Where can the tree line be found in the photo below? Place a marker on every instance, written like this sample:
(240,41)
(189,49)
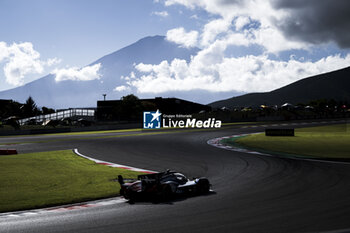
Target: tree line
(14,109)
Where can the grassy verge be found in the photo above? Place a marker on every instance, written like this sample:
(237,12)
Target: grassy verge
(323,142)
(54,178)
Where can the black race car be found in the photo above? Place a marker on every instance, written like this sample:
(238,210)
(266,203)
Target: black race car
(162,185)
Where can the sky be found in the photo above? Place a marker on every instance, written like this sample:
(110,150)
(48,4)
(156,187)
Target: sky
(246,45)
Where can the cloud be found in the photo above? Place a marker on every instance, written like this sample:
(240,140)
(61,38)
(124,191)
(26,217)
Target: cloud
(180,36)
(213,29)
(241,21)
(225,8)
(316,21)
(161,13)
(20,60)
(308,22)
(122,88)
(53,61)
(188,4)
(242,74)
(145,68)
(4,51)
(78,74)
(273,40)
(253,21)
(237,23)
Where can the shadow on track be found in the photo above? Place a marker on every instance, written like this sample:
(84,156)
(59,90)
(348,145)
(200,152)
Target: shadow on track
(167,201)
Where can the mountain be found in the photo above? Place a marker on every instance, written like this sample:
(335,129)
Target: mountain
(47,92)
(333,85)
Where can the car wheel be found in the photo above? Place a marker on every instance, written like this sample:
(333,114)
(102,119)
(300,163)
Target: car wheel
(166,193)
(203,186)
(132,197)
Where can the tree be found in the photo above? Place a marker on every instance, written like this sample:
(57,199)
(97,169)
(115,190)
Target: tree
(9,108)
(131,108)
(130,98)
(46,110)
(30,108)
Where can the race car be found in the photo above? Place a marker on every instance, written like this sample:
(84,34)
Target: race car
(162,186)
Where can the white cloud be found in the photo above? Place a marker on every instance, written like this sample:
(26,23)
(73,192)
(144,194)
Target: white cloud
(233,15)
(180,36)
(20,60)
(161,13)
(243,74)
(234,23)
(241,21)
(186,3)
(213,29)
(144,67)
(257,9)
(53,61)
(122,88)
(4,51)
(76,74)
(274,42)
(302,22)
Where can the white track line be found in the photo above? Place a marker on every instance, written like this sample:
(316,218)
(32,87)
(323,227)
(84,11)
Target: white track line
(77,206)
(109,164)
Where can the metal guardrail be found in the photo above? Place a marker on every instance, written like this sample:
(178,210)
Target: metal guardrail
(69,113)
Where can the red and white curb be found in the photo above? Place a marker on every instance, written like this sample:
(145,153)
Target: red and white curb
(109,164)
(78,206)
(217,143)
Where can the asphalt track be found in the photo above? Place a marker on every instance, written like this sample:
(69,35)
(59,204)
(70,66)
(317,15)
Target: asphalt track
(252,193)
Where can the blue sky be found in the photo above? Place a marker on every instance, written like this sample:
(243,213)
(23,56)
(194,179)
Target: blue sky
(263,37)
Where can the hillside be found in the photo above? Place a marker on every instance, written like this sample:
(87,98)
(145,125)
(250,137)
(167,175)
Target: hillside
(333,85)
(47,92)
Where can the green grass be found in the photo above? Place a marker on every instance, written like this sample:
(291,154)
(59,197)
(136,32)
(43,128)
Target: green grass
(45,179)
(324,142)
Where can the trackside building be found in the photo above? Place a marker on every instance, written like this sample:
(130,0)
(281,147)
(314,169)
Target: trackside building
(117,110)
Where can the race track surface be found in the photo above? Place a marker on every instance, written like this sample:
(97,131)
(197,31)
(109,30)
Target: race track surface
(252,193)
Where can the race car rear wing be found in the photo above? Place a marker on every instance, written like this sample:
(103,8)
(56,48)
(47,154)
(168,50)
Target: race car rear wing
(123,180)
(154,176)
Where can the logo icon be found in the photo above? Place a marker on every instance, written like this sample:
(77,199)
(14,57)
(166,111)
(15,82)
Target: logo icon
(151,120)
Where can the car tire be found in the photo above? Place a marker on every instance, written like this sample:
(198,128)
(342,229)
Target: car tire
(203,186)
(166,193)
